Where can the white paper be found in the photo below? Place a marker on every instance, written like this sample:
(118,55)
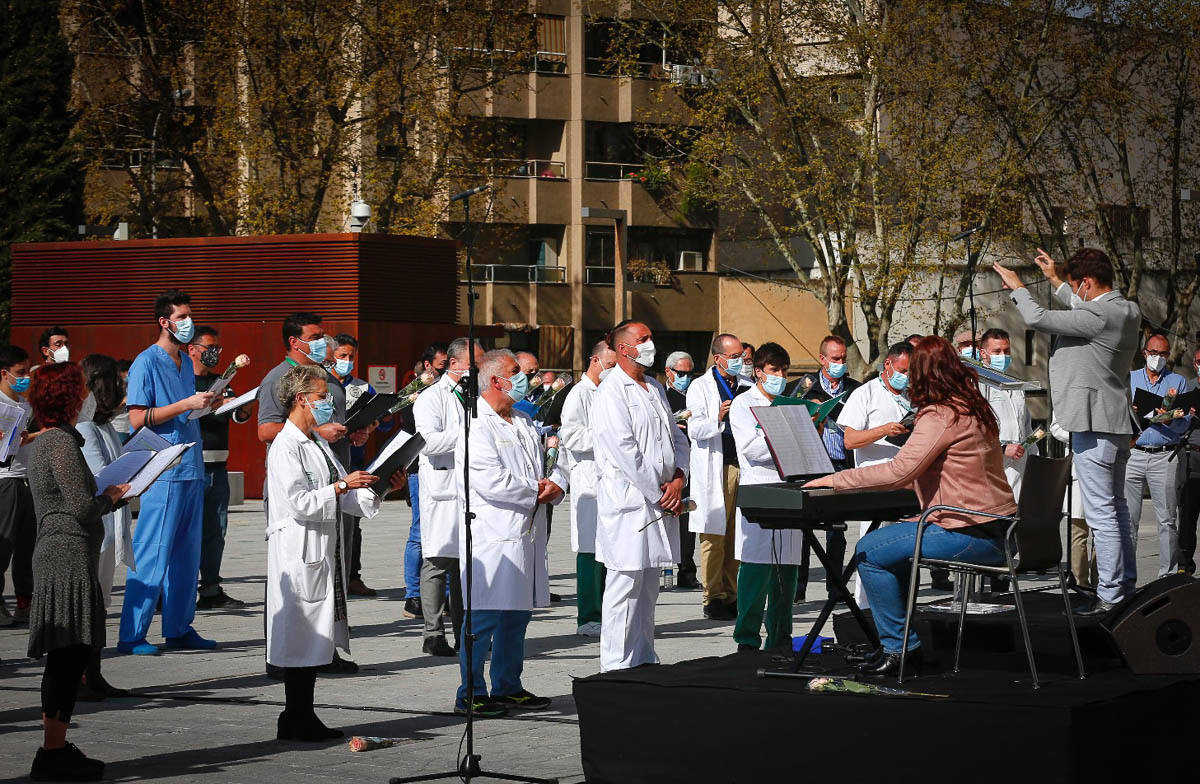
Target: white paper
(156,465)
(217,390)
(12,424)
(122,470)
(387,451)
(794,441)
(145,440)
(237,402)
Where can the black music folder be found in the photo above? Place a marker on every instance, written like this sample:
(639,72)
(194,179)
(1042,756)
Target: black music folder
(794,442)
(369,409)
(909,420)
(400,452)
(1146,403)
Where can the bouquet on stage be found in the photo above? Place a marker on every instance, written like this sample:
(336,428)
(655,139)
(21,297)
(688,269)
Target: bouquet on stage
(409,394)
(1033,438)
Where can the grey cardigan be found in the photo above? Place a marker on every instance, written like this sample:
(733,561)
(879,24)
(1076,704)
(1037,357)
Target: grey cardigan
(1090,358)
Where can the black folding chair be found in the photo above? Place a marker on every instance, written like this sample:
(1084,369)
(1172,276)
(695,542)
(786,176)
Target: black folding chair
(1031,544)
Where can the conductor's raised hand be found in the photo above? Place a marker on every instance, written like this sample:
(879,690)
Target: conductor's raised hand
(331,431)
(1010,279)
(548,492)
(1046,265)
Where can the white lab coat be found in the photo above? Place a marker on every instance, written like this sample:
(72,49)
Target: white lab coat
(438,413)
(637,448)
(303,528)
(509,528)
(575,437)
(754,544)
(707,458)
(1015,426)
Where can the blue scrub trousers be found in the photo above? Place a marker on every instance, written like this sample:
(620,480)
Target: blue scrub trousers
(502,632)
(166,550)
(412,548)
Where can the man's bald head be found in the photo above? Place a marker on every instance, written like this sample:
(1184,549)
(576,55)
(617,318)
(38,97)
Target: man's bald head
(527,362)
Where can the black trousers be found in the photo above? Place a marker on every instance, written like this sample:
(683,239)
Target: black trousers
(687,542)
(298,686)
(1189,511)
(60,680)
(18,532)
(835,547)
(356,552)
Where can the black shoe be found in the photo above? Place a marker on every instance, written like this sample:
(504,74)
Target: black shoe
(308,728)
(864,658)
(274,673)
(744,648)
(1094,609)
(554,597)
(339,666)
(412,608)
(718,611)
(219,601)
(941,581)
(688,582)
(483,709)
(522,700)
(801,594)
(889,664)
(65,764)
(437,646)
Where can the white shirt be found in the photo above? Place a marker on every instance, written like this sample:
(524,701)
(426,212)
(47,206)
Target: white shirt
(871,405)
(18,468)
(638,448)
(755,544)
(575,435)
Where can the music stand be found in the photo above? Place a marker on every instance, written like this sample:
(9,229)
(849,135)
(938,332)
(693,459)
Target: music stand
(469,766)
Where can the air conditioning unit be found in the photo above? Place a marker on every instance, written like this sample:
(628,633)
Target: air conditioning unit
(685,75)
(690,261)
(711,76)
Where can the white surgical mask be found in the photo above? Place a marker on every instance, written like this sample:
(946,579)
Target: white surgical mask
(1155,364)
(773,385)
(184,330)
(60,354)
(734,366)
(645,353)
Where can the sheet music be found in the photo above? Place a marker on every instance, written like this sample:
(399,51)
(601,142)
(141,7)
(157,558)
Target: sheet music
(161,461)
(145,440)
(793,439)
(12,424)
(397,441)
(217,390)
(237,402)
(122,470)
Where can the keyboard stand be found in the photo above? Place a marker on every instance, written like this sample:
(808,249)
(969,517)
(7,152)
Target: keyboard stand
(841,594)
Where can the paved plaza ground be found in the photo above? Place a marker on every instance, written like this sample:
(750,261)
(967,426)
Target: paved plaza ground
(210,716)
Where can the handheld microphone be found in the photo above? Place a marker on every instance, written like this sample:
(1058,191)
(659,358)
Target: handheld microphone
(469,193)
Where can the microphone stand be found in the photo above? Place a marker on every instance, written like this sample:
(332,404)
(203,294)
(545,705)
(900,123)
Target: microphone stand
(469,767)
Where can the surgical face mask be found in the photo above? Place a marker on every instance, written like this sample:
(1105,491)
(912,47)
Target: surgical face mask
(209,356)
(1155,364)
(604,373)
(898,381)
(1000,362)
(520,387)
(734,366)
(343,366)
(1076,297)
(773,385)
(61,354)
(184,330)
(322,410)
(682,382)
(968,352)
(316,350)
(645,353)
(837,369)
(19,385)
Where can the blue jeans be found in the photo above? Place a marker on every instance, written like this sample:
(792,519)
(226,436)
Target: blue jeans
(1100,460)
(503,633)
(412,548)
(884,559)
(214,524)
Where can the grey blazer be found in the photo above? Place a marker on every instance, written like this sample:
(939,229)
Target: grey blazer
(1090,358)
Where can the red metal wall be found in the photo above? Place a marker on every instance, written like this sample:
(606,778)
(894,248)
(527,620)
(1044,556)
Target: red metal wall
(396,294)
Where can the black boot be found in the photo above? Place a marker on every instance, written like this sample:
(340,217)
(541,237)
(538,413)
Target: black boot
(889,664)
(869,657)
(307,728)
(93,687)
(65,764)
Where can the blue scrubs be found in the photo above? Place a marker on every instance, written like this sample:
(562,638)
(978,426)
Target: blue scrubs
(166,539)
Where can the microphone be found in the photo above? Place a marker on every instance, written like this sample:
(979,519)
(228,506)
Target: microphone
(962,235)
(469,193)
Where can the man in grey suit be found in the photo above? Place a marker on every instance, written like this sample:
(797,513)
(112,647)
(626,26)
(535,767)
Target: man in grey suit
(1090,358)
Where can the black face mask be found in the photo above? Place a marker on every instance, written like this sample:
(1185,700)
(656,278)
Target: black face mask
(210,356)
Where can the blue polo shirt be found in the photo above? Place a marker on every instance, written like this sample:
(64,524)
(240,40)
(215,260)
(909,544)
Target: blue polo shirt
(1167,433)
(154,382)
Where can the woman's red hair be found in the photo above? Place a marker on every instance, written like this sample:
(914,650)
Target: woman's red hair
(56,394)
(938,376)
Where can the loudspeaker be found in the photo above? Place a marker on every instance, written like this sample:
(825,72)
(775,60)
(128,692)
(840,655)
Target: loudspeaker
(1157,629)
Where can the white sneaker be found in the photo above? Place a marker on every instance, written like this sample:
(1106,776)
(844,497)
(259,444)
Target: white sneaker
(6,618)
(589,629)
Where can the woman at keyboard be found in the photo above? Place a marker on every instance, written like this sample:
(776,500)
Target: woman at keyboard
(952,458)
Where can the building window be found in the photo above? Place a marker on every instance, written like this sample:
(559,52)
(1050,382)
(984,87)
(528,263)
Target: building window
(1124,219)
(551,55)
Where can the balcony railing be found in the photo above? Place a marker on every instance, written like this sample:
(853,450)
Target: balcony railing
(518,273)
(603,170)
(513,168)
(603,66)
(487,59)
(599,276)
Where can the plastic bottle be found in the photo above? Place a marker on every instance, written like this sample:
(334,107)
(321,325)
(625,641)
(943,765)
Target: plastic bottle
(668,579)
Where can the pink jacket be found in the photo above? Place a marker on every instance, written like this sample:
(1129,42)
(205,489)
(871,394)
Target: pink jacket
(947,462)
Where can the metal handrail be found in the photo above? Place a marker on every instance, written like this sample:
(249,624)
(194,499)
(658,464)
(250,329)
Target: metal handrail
(543,61)
(596,66)
(518,168)
(518,273)
(610,170)
(600,276)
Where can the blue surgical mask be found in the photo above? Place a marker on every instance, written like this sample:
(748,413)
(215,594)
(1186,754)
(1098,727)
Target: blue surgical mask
(520,387)
(837,369)
(20,385)
(1000,362)
(681,382)
(773,385)
(322,410)
(734,366)
(898,381)
(316,350)
(184,330)
(343,367)
(968,353)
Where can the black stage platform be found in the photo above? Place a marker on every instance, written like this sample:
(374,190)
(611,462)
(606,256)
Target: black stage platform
(713,720)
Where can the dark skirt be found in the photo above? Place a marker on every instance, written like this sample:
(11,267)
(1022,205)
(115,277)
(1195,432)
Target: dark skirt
(68,605)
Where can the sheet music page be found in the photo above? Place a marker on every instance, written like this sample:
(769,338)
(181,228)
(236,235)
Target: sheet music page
(217,389)
(794,441)
(237,402)
(12,424)
(145,440)
(122,470)
(154,467)
(397,441)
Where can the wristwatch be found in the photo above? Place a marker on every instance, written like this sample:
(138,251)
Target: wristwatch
(342,487)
